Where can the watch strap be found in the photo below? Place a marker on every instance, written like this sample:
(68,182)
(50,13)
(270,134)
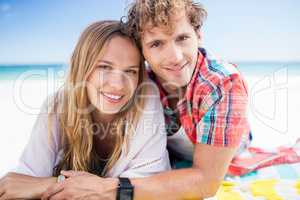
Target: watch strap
(125,189)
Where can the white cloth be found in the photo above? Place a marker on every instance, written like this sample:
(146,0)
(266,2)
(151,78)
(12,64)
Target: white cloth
(147,153)
(181,145)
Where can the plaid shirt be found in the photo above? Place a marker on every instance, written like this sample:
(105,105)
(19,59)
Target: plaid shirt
(213,109)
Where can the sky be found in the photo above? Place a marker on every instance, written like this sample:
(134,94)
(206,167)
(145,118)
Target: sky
(46,31)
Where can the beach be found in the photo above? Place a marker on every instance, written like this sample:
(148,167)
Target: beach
(274,102)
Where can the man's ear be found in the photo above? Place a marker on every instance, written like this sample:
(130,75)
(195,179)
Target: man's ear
(199,36)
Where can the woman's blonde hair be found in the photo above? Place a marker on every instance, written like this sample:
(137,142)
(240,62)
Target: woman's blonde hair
(72,106)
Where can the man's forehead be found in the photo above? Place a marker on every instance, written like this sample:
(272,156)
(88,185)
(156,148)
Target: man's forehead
(153,28)
(156,30)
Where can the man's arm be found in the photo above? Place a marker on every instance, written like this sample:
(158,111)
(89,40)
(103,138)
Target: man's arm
(224,122)
(200,181)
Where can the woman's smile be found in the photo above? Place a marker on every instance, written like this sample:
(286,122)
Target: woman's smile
(111,97)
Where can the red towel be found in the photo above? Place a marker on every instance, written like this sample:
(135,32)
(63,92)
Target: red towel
(256,158)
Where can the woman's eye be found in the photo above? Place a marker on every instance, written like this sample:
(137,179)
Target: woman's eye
(104,67)
(131,72)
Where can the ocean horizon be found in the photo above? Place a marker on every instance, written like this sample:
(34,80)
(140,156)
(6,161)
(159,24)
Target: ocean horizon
(9,71)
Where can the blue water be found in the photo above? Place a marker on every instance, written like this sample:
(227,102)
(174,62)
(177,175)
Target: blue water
(36,71)
(267,68)
(12,72)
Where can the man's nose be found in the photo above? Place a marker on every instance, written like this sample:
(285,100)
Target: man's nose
(175,54)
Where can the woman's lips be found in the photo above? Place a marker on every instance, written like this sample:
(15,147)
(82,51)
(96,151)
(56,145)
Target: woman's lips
(113,98)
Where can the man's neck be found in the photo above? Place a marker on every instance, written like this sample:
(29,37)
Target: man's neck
(174,95)
(172,89)
(179,91)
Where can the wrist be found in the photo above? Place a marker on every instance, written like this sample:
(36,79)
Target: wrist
(110,187)
(44,184)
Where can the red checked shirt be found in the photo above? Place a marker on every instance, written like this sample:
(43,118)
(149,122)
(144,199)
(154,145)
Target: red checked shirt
(213,110)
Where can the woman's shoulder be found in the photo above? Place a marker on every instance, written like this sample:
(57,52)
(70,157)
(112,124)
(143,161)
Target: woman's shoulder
(151,120)
(52,102)
(152,99)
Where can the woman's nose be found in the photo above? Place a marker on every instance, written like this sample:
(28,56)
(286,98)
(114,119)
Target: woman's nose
(116,80)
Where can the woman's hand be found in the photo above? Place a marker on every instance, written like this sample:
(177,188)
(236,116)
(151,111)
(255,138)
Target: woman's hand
(82,185)
(20,186)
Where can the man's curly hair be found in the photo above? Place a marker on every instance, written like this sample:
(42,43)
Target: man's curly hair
(160,13)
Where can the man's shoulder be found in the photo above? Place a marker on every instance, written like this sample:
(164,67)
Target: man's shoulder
(216,67)
(214,71)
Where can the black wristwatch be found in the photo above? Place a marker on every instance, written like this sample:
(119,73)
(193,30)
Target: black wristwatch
(125,189)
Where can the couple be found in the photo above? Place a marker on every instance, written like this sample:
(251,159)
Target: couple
(105,134)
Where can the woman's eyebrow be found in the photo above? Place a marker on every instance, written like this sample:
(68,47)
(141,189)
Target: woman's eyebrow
(133,67)
(106,62)
(112,64)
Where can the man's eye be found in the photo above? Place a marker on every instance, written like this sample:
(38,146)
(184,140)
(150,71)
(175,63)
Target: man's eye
(155,44)
(183,38)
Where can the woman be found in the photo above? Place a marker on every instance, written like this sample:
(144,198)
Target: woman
(100,123)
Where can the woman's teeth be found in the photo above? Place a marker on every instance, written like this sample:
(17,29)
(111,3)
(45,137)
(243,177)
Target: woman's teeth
(115,97)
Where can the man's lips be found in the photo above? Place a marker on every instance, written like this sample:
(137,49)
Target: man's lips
(176,68)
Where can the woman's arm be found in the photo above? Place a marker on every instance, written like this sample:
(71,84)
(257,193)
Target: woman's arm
(20,186)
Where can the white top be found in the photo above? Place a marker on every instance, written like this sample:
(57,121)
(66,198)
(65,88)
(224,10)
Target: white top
(181,145)
(147,153)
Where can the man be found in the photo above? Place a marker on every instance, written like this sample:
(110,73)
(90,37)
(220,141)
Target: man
(204,99)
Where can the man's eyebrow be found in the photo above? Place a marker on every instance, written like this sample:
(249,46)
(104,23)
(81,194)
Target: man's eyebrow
(149,41)
(183,33)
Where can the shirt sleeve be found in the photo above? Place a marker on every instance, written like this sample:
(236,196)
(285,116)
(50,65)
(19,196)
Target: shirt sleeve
(39,155)
(148,146)
(225,119)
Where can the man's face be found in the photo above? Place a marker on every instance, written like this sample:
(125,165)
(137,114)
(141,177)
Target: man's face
(172,56)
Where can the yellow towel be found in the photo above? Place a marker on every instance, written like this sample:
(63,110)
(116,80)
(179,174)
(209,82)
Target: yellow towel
(269,189)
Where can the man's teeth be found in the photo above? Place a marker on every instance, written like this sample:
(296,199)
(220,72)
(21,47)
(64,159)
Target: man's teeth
(112,96)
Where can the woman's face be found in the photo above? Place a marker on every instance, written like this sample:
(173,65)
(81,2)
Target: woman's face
(115,76)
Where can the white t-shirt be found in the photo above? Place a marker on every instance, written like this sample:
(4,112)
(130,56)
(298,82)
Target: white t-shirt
(181,145)
(146,156)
